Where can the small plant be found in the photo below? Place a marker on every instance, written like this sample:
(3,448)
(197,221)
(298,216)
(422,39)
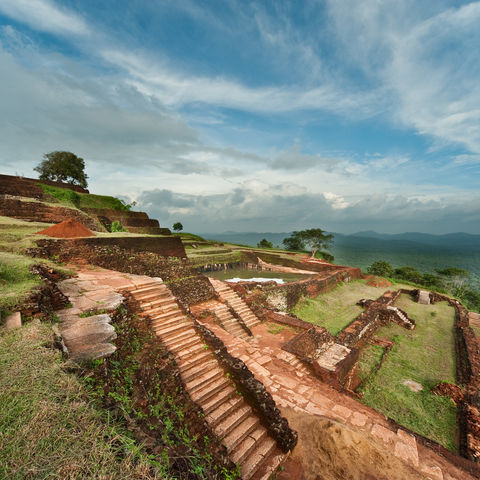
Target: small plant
(116,227)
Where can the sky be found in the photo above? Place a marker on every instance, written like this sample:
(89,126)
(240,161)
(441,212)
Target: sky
(253,115)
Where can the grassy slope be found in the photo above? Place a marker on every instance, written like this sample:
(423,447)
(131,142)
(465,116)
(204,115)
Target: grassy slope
(336,309)
(425,355)
(73,199)
(49,428)
(16,281)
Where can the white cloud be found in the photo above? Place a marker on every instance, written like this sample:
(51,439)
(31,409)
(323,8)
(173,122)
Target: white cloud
(175,89)
(44,15)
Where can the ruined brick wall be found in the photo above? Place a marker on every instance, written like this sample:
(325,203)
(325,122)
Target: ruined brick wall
(28,187)
(367,323)
(41,212)
(84,247)
(285,297)
(134,222)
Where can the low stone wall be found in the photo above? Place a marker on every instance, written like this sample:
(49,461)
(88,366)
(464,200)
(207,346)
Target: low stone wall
(366,324)
(284,297)
(310,344)
(253,390)
(164,246)
(35,211)
(287,319)
(192,290)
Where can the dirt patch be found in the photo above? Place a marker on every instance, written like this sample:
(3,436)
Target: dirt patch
(273,334)
(67,229)
(328,450)
(374,281)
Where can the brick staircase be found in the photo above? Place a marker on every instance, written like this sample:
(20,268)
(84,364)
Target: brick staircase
(240,307)
(229,322)
(248,443)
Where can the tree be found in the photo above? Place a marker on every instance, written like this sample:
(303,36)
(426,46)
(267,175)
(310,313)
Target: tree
(380,268)
(293,242)
(313,238)
(63,167)
(316,239)
(264,243)
(177,227)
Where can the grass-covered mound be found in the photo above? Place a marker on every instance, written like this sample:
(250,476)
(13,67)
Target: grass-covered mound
(74,199)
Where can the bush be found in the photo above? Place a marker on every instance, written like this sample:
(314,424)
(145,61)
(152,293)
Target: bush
(116,227)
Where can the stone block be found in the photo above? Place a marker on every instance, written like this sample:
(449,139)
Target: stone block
(433,472)
(13,321)
(406,448)
(383,433)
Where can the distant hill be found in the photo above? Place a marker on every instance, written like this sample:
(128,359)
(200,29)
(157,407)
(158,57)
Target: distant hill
(420,250)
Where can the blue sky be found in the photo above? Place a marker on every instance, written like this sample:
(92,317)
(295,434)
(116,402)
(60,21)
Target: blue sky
(254,116)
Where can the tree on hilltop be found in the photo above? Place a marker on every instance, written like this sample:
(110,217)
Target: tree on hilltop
(313,238)
(177,227)
(60,166)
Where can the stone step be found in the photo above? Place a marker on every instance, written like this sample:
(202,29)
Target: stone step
(255,460)
(195,371)
(204,380)
(146,289)
(209,390)
(168,331)
(169,322)
(185,344)
(236,436)
(248,444)
(189,351)
(270,465)
(182,334)
(196,359)
(234,419)
(155,302)
(216,400)
(161,312)
(224,410)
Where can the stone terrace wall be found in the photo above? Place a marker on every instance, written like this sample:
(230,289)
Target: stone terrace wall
(135,222)
(27,187)
(40,212)
(83,247)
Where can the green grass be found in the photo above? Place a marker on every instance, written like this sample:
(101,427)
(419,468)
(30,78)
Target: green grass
(48,426)
(334,310)
(425,355)
(71,198)
(16,281)
(17,235)
(369,360)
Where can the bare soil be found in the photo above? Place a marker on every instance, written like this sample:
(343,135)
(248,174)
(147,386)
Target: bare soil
(328,450)
(67,229)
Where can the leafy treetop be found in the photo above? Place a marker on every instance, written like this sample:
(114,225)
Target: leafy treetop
(177,227)
(313,238)
(63,167)
(264,243)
